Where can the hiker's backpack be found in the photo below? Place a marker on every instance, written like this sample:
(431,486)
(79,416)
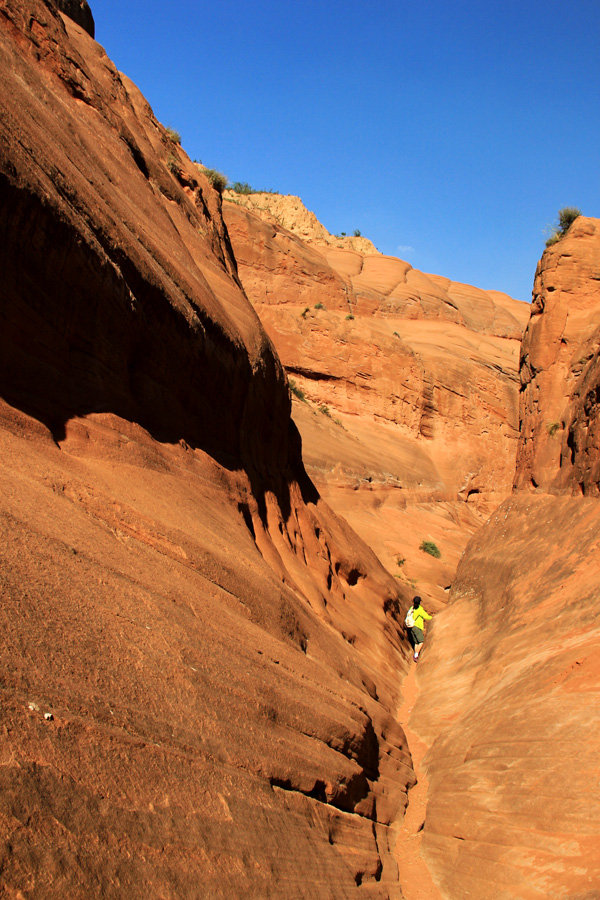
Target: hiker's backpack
(409,621)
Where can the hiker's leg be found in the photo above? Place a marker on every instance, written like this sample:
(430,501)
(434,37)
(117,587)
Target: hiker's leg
(418,638)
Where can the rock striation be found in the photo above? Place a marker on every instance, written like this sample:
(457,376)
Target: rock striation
(410,383)
(510,697)
(199,658)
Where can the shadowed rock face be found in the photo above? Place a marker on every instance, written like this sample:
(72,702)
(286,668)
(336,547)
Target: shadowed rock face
(418,378)
(80,12)
(217,653)
(510,697)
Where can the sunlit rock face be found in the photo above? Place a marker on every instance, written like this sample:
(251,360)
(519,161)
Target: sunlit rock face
(200,661)
(560,371)
(510,680)
(409,381)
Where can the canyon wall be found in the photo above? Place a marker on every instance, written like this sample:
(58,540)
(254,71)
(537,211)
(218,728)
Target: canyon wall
(405,384)
(560,409)
(509,681)
(200,661)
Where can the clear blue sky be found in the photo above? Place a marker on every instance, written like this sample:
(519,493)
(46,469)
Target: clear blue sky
(450,133)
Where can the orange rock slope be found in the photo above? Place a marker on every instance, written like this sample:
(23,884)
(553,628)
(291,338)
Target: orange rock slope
(410,384)
(199,659)
(510,695)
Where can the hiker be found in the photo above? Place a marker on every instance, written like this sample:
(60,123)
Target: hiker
(415,617)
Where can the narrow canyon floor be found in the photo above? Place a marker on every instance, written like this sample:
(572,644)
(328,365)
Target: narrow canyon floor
(414,876)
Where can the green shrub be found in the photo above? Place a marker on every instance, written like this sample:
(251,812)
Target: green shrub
(319,305)
(431,548)
(566,217)
(242,187)
(400,561)
(296,391)
(357,233)
(217,179)
(325,410)
(349,316)
(553,428)
(173,135)
(304,311)
(173,165)
(556,236)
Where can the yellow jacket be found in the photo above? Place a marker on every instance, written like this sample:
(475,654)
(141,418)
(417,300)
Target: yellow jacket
(419,615)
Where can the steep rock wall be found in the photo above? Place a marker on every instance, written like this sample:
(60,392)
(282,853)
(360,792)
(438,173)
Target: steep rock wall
(510,681)
(559,367)
(199,660)
(411,381)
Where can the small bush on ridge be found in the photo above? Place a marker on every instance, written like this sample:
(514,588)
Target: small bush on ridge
(566,217)
(242,187)
(173,135)
(217,179)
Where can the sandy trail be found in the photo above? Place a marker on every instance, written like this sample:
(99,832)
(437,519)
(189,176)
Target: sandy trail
(415,880)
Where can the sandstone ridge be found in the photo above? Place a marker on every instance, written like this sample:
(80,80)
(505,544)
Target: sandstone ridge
(199,658)
(509,683)
(289,212)
(405,388)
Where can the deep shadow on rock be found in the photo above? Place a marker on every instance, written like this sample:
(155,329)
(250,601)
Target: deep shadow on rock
(175,594)
(80,12)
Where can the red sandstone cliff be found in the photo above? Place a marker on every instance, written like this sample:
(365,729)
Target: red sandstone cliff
(509,683)
(560,430)
(216,652)
(199,660)
(411,425)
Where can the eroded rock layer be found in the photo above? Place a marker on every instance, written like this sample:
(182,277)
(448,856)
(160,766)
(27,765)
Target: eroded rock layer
(199,660)
(410,383)
(510,682)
